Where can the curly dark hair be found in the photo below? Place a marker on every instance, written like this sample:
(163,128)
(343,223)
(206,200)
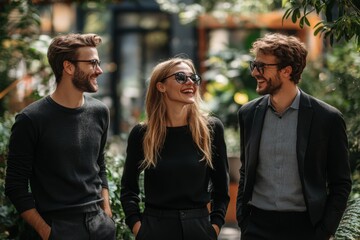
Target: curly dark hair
(288,50)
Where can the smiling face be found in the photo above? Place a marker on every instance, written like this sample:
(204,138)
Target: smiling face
(176,94)
(86,73)
(268,82)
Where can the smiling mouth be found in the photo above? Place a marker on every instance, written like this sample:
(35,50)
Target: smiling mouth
(187,91)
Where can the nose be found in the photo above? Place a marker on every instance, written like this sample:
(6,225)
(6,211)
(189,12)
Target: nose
(189,80)
(98,69)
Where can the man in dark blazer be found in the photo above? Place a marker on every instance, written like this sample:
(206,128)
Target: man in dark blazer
(295,175)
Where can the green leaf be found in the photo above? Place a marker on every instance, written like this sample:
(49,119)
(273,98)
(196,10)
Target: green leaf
(318,28)
(295,14)
(287,13)
(301,24)
(319,23)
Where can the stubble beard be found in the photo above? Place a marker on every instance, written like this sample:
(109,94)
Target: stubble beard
(82,82)
(272,87)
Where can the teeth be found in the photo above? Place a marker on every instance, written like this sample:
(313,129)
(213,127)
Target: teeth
(188,91)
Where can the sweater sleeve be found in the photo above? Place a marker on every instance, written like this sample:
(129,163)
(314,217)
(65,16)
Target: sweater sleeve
(130,190)
(101,158)
(19,164)
(219,176)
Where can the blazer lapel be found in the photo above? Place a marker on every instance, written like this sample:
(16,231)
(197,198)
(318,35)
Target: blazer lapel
(256,130)
(303,130)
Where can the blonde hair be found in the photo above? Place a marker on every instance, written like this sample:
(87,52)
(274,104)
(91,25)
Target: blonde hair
(156,117)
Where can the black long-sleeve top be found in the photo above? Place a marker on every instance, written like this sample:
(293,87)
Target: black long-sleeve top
(179,180)
(60,151)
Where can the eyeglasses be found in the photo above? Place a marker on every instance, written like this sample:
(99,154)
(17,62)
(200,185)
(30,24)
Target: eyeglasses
(260,66)
(94,62)
(181,78)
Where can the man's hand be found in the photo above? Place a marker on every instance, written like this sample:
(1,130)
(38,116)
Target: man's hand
(32,217)
(106,203)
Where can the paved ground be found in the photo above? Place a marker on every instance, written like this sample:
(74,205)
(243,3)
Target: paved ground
(229,232)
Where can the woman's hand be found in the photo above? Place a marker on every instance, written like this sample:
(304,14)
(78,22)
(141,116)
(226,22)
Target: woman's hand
(217,229)
(136,228)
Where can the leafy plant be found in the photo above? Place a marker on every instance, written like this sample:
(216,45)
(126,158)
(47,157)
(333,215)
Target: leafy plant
(189,12)
(115,164)
(22,50)
(10,222)
(349,228)
(342,18)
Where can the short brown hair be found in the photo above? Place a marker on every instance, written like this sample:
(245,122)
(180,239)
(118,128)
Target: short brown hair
(64,47)
(288,50)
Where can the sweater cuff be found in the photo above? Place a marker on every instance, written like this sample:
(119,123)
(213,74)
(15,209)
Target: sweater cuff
(130,221)
(218,221)
(22,206)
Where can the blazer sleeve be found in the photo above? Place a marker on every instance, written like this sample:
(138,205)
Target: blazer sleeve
(338,174)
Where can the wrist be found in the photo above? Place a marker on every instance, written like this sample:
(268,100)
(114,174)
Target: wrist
(45,232)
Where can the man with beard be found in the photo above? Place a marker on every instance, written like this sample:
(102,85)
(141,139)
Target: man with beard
(57,145)
(295,175)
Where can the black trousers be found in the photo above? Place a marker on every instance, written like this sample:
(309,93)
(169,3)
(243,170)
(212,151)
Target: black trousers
(273,225)
(191,224)
(90,224)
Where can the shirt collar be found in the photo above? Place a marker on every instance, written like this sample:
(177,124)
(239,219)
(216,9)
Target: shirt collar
(295,104)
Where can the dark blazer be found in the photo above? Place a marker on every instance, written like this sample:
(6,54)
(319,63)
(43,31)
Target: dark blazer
(322,154)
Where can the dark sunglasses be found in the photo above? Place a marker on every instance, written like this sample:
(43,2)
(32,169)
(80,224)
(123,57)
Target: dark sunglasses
(260,66)
(181,78)
(94,62)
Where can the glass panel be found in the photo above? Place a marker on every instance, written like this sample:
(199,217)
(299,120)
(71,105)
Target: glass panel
(139,53)
(97,22)
(129,87)
(156,50)
(143,21)
(154,20)
(127,20)
(143,40)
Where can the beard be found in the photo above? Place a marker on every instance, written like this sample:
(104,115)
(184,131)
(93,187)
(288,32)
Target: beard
(82,82)
(272,86)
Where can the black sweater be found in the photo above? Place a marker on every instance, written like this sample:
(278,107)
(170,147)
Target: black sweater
(61,152)
(179,180)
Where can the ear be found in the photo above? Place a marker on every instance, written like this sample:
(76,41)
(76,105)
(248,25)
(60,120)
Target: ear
(160,87)
(286,71)
(69,67)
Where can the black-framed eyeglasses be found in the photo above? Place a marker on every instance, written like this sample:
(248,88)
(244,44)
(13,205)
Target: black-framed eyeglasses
(94,62)
(260,66)
(181,78)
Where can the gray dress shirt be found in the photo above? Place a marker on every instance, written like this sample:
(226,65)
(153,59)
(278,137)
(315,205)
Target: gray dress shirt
(278,185)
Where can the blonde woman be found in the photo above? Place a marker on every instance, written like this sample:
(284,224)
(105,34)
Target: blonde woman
(183,154)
